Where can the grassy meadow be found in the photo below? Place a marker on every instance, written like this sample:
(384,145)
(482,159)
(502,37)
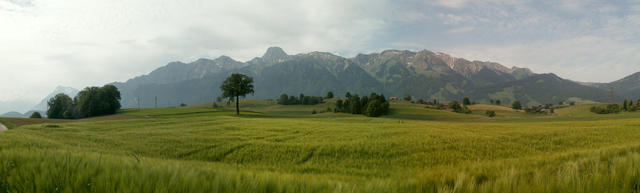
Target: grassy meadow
(276,148)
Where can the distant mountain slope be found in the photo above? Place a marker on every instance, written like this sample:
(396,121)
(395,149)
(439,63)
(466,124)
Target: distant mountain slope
(539,89)
(422,74)
(42,105)
(627,87)
(13,114)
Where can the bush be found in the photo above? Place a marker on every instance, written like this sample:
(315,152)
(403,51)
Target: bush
(183,105)
(456,107)
(610,108)
(36,115)
(490,113)
(314,112)
(516,105)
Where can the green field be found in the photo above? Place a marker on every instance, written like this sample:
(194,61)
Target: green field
(275,148)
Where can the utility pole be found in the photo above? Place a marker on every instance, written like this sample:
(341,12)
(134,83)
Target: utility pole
(156,101)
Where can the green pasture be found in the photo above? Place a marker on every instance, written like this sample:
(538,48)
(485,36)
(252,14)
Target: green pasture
(276,148)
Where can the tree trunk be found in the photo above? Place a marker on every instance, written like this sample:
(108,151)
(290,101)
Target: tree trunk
(237,105)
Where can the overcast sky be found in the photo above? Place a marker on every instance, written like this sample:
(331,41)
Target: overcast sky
(79,43)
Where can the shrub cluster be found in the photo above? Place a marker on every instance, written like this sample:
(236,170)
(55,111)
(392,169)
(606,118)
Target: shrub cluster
(610,108)
(540,109)
(490,113)
(456,107)
(373,106)
(302,100)
(90,102)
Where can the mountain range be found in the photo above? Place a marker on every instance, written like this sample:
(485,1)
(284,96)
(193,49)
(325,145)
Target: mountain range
(423,75)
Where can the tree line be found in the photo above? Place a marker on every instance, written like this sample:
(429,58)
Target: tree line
(373,106)
(302,100)
(627,105)
(90,102)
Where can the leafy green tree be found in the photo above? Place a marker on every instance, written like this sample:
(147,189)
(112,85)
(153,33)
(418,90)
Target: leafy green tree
(455,106)
(625,105)
(374,108)
(36,115)
(466,101)
(236,86)
(97,101)
(491,101)
(59,106)
(355,106)
(339,106)
(348,95)
(108,100)
(498,102)
(329,95)
(516,105)
(86,102)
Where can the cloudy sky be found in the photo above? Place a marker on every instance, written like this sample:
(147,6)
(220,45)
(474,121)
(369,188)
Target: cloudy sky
(78,43)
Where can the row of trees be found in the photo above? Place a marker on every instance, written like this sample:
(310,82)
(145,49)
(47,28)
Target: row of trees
(302,100)
(610,108)
(373,106)
(629,106)
(90,102)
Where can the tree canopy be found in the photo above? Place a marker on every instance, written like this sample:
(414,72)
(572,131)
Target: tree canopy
(373,106)
(90,102)
(236,86)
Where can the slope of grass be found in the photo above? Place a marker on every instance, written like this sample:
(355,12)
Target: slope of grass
(274,148)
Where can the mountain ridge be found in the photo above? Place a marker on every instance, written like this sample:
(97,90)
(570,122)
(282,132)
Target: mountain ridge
(423,74)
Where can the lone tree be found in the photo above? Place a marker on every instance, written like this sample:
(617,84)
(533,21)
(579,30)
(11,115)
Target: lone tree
(329,95)
(36,115)
(235,86)
(466,101)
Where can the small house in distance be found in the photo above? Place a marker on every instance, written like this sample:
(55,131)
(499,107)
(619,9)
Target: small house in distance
(393,98)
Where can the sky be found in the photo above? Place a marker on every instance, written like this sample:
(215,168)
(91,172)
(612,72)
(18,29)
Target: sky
(79,43)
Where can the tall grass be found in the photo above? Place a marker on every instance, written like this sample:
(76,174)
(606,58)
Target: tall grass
(205,150)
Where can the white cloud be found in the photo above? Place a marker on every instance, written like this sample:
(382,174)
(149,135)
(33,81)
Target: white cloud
(81,43)
(452,3)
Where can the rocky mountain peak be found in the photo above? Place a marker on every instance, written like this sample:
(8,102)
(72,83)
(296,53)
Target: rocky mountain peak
(274,54)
